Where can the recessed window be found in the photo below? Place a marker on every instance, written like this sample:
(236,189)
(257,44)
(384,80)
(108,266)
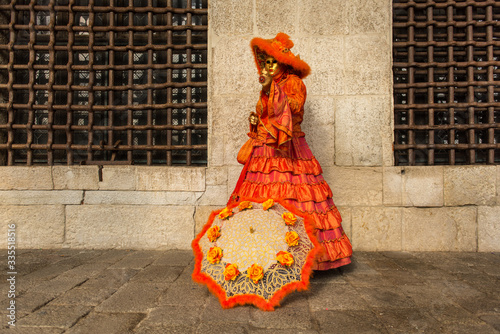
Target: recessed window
(103,81)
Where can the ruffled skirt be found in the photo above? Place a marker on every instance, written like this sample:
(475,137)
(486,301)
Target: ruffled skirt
(295,177)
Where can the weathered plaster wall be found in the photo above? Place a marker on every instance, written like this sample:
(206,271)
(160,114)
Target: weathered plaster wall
(348,121)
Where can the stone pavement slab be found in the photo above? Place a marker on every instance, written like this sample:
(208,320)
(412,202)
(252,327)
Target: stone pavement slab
(127,291)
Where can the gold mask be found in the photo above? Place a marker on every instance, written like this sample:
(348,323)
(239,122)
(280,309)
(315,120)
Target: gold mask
(272,66)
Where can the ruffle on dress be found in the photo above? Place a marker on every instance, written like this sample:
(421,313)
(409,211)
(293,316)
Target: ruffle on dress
(302,192)
(296,166)
(295,178)
(338,248)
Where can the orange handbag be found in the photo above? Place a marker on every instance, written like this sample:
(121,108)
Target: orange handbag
(245,151)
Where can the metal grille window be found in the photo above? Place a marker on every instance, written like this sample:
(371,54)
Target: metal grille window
(103,81)
(446,82)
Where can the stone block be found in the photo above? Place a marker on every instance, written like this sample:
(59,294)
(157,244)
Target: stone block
(216,176)
(110,279)
(57,285)
(147,327)
(275,16)
(31,301)
(230,121)
(135,297)
(174,258)
(86,270)
(157,274)
(232,17)
(387,147)
(423,186)
(118,178)
(170,178)
(465,185)
(202,214)
(351,321)
(293,319)
(233,174)
(107,323)
(440,229)
(142,197)
(216,151)
(327,67)
(172,316)
(413,186)
(393,185)
(34,197)
(233,67)
(319,110)
(360,122)
(376,81)
(498,185)
(214,195)
(324,17)
(376,229)
(335,297)
(368,65)
(23,177)
(183,197)
(319,128)
(488,229)
(321,141)
(190,294)
(55,316)
(37,226)
(404,320)
(129,226)
(370,16)
(355,186)
(75,177)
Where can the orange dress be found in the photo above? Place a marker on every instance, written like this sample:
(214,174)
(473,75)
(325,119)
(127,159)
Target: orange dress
(282,166)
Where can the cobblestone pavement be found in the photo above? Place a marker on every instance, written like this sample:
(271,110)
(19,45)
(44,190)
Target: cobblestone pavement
(120,291)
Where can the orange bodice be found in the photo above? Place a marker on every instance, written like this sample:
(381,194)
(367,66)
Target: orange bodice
(287,94)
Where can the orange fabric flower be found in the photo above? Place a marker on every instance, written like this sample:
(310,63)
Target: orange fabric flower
(245,205)
(292,238)
(289,218)
(285,258)
(225,213)
(231,272)
(214,255)
(268,204)
(213,233)
(255,273)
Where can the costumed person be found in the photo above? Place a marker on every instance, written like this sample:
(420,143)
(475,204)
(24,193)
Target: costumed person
(278,162)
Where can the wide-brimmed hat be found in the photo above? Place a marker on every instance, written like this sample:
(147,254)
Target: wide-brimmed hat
(278,48)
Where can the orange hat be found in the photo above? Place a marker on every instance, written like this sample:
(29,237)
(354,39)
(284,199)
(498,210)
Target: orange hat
(279,48)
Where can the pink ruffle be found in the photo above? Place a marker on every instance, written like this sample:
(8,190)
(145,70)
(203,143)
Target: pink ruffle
(267,165)
(335,249)
(302,192)
(276,176)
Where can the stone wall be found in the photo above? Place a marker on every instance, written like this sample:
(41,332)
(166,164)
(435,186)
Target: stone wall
(348,122)
(384,208)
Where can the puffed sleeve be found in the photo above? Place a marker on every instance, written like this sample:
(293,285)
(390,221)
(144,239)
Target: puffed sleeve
(296,93)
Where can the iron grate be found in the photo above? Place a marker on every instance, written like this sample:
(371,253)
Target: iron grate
(446,65)
(114,81)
